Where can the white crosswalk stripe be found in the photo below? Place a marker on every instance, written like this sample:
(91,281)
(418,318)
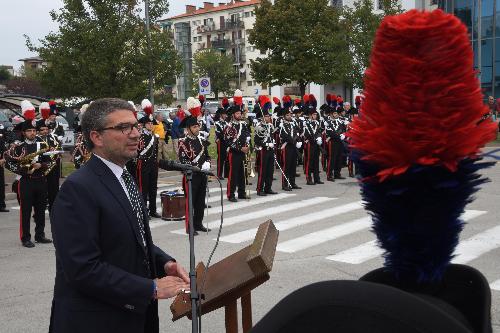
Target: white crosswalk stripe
(495,285)
(370,250)
(294,222)
(477,245)
(266,212)
(322,236)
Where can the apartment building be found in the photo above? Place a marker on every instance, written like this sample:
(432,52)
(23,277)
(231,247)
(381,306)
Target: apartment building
(222,26)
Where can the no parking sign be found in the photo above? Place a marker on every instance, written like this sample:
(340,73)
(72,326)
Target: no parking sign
(204,84)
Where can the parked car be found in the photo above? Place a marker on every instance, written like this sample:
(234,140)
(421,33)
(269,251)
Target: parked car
(5,122)
(63,122)
(211,106)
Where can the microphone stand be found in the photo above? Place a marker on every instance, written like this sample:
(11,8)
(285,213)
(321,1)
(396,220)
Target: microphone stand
(192,269)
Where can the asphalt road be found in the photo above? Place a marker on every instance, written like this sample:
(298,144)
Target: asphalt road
(324,235)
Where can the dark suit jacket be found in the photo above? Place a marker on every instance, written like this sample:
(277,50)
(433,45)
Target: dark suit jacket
(104,275)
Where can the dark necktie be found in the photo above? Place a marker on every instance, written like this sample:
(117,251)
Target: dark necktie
(135,200)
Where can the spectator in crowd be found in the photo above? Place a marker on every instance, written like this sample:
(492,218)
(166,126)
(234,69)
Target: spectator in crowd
(175,131)
(159,129)
(208,119)
(492,105)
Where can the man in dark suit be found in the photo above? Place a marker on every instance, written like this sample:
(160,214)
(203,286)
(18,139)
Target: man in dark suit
(109,273)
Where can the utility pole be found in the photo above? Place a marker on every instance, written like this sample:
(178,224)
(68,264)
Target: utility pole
(150,69)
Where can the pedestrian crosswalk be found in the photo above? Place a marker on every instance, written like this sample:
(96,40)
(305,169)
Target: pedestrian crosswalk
(313,223)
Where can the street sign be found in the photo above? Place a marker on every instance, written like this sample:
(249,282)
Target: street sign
(205,88)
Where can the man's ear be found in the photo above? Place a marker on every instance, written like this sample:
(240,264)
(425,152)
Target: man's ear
(96,138)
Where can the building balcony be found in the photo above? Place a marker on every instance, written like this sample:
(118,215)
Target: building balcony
(221,44)
(232,25)
(205,28)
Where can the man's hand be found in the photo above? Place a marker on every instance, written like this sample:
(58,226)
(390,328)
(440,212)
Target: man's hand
(36,166)
(2,162)
(174,269)
(245,149)
(170,286)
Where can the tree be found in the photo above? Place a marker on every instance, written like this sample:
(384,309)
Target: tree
(359,25)
(26,86)
(4,74)
(100,50)
(300,40)
(215,65)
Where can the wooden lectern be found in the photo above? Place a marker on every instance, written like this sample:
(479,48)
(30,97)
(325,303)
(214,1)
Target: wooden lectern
(232,278)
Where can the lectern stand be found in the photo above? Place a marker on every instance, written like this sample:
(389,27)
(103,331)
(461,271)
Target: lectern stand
(232,278)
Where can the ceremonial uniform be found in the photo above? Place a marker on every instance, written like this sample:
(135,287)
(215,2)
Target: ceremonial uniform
(222,164)
(53,175)
(237,136)
(193,151)
(80,154)
(147,168)
(264,147)
(3,148)
(290,142)
(32,187)
(335,134)
(312,147)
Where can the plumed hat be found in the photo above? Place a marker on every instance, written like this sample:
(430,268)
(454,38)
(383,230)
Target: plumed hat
(147,107)
(306,98)
(276,101)
(287,101)
(419,173)
(28,110)
(238,98)
(44,110)
(225,102)
(194,107)
(53,107)
(201,98)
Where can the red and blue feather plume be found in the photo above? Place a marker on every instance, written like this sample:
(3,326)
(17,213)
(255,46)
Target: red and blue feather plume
(417,140)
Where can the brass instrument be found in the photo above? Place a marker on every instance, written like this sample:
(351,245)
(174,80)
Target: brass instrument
(27,160)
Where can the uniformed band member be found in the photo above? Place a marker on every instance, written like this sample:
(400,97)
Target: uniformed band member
(237,139)
(28,161)
(264,146)
(220,125)
(45,136)
(193,151)
(3,148)
(335,135)
(290,142)
(147,165)
(80,153)
(313,144)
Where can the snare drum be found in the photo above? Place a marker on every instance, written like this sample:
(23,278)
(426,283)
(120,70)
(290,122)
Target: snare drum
(173,206)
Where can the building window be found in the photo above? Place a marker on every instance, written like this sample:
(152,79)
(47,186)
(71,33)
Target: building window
(336,3)
(380,4)
(249,83)
(248,65)
(262,51)
(247,14)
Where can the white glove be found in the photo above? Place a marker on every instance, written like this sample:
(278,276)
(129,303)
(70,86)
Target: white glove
(60,138)
(342,137)
(255,122)
(248,139)
(319,141)
(298,145)
(204,134)
(270,145)
(205,166)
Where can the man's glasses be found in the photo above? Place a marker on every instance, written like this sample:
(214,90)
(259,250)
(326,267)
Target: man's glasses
(125,128)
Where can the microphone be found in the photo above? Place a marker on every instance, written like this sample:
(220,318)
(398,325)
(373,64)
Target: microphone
(173,166)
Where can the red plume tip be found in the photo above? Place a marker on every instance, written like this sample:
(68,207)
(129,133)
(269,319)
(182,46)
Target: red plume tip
(29,114)
(276,100)
(422,105)
(148,110)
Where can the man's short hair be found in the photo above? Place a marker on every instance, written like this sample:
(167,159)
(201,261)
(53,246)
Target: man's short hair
(179,106)
(95,117)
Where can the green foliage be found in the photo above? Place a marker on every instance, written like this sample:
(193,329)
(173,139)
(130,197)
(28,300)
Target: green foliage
(4,74)
(101,50)
(215,65)
(301,42)
(359,25)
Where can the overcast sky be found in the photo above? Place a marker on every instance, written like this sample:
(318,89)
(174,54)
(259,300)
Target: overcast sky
(31,17)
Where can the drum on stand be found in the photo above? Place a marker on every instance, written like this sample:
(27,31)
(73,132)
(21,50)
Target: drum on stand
(173,206)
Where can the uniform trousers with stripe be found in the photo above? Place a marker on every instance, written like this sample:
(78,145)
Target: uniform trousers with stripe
(266,169)
(289,158)
(312,160)
(198,190)
(2,188)
(236,174)
(33,195)
(53,184)
(149,187)
(338,158)
(222,163)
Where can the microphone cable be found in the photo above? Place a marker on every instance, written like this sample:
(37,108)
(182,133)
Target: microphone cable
(202,287)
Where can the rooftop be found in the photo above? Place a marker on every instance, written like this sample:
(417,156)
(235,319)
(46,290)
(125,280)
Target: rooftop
(37,58)
(210,8)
